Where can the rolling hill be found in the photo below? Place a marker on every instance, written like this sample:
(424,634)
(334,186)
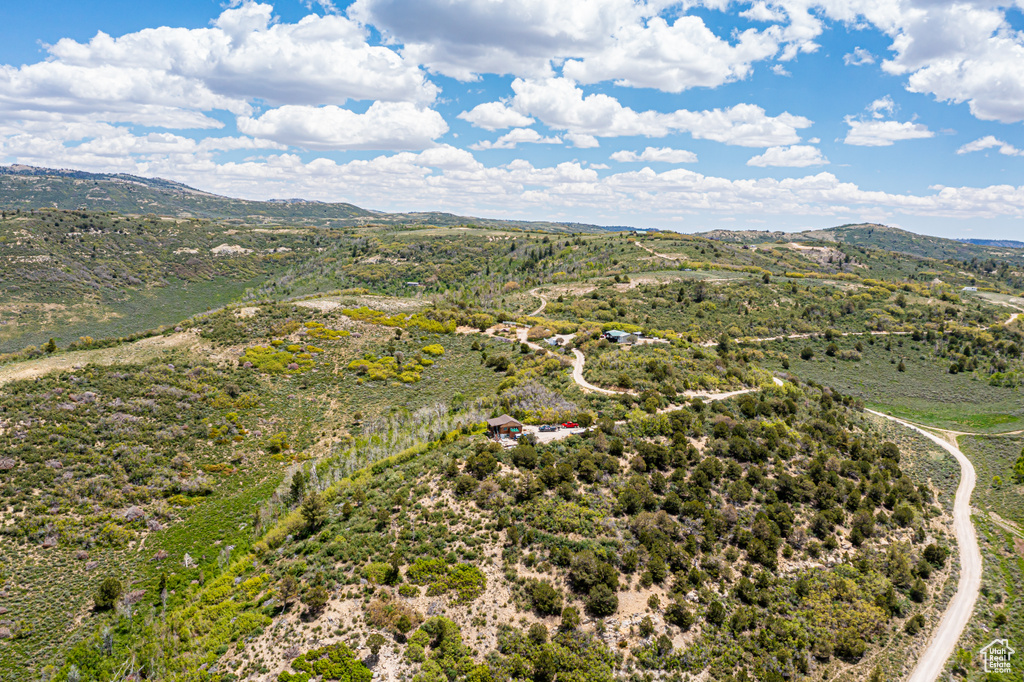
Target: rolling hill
(28,187)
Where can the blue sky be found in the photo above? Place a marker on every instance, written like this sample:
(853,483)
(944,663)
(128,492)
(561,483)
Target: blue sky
(690,116)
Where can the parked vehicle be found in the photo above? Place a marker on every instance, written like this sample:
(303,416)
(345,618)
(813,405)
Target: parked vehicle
(547,428)
(570,425)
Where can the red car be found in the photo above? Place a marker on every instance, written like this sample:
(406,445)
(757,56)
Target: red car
(570,425)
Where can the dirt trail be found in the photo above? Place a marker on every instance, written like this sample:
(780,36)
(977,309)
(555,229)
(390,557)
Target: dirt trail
(943,641)
(126,352)
(543,303)
(651,251)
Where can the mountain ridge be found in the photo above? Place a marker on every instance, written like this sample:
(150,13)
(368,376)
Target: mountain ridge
(126,193)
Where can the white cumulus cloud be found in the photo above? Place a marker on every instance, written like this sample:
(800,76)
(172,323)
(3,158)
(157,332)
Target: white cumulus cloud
(495,116)
(656,155)
(859,57)
(794,156)
(876,133)
(882,106)
(515,137)
(385,125)
(956,51)
(170,77)
(560,104)
(631,43)
(582,140)
(988,142)
(673,57)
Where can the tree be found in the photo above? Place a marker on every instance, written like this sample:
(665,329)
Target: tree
(863,525)
(374,642)
(547,601)
(314,511)
(315,599)
(544,665)
(807,353)
(50,346)
(936,555)
(677,614)
(107,594)
(919,591)
(298,486)
(383,519)
(716,613)
(1018,468)
(602,601)
(849,645)
(903,515)
(585,419)
(289,588)
(570,618)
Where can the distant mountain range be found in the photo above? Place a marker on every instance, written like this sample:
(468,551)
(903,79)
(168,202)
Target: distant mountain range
(29,187)
(1003,243)
(870,235)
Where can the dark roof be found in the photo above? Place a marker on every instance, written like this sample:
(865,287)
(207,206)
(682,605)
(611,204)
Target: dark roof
(502,421)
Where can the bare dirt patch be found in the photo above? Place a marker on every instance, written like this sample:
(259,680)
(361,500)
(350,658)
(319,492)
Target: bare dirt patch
(323,305)
(137,351)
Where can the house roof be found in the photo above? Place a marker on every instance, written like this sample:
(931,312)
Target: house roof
(616,332)
(502,421)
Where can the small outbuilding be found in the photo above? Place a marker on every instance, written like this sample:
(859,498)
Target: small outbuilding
(504,427)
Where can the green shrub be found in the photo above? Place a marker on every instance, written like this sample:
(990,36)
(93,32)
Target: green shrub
(332,662)
(547,601)
(107,594)
(602,601)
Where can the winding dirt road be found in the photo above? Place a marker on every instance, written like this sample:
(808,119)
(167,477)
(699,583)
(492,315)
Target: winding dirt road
(543,302)
(943,641)
(577,376)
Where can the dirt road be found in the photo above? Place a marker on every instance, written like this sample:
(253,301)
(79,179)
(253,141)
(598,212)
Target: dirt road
(577,376)
(932,662)
(543,302)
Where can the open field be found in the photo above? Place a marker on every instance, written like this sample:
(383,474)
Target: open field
(925,393)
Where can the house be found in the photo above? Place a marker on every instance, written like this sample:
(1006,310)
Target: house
(996,656)
(970,289)
(618,336)
(553,341)
(504,427)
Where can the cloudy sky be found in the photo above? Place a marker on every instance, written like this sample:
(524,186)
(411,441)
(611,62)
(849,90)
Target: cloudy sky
(785,114)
